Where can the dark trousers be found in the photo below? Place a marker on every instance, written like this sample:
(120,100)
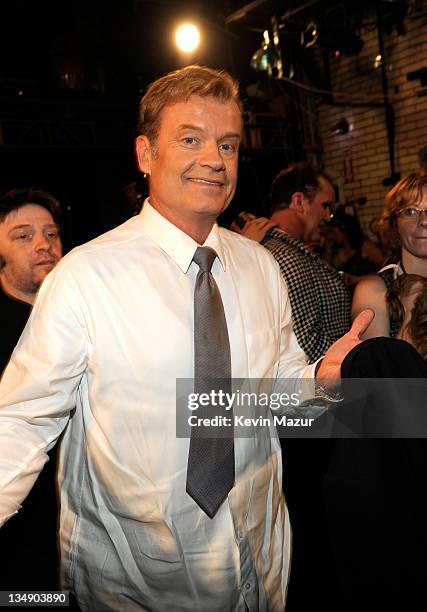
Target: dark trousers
(28,541)
(375,493)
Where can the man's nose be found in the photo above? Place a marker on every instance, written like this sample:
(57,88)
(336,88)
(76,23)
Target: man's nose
(42,243)
(211,157)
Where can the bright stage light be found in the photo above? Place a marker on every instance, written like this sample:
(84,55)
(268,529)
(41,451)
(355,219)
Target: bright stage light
(187,37)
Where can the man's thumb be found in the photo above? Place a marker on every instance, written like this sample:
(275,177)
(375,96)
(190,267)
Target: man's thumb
(362,322)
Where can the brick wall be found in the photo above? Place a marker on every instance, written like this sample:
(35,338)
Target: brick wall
(365,146)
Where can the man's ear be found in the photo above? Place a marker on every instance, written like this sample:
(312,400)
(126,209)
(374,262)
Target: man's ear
(297,201)
(144,154)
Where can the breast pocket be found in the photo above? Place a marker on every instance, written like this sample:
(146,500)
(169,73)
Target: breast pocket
(263,353)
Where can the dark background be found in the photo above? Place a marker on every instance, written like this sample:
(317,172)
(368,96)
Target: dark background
(71,75)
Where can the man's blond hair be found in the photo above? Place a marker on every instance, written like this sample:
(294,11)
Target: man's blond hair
(178,86)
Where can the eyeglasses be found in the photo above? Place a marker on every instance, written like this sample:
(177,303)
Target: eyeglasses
(411,212)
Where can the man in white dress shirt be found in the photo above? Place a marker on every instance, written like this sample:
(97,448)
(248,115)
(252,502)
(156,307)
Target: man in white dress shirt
(111,331)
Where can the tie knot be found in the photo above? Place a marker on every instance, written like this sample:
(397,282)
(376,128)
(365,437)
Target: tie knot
(204,258)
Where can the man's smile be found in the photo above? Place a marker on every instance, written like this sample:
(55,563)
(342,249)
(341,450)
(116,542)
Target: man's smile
(205,181)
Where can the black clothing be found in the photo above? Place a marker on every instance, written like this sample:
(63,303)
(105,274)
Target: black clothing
(13,317)
(375,497)
(28,546)
(28,541)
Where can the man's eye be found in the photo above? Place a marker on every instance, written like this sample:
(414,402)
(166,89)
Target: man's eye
(53,235)
(227,147)
(410,212)
(189,140)
(23,236)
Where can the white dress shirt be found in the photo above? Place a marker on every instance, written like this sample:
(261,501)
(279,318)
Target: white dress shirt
(111,331)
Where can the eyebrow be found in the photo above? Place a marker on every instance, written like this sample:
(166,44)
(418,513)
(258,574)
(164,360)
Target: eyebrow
(189,126)
(196,128)
(235,135)
(25,225)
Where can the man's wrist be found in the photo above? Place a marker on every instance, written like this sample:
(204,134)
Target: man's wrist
(331,392)
(328,394)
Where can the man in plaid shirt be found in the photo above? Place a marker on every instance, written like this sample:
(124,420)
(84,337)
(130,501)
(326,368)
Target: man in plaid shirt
(301,199)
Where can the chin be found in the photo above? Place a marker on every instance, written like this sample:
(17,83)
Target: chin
(211,208)
(39,278)
(420,251)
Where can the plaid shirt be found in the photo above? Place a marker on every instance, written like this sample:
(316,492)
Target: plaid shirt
(319,298)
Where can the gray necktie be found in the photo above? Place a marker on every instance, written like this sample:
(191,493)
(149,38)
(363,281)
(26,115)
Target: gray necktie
(210,471)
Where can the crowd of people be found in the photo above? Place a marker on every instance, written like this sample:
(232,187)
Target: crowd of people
(151,521)
(388,277)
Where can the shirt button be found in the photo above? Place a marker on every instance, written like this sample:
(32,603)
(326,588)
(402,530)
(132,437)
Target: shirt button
(240,534)
(247,586)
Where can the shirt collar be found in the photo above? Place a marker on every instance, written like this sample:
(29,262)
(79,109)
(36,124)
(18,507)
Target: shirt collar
(178,245)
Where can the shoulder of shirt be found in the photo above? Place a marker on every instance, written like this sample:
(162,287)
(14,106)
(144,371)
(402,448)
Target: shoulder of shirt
(290,252)
(284,247)
(278,237)
(246,246)
(109,241)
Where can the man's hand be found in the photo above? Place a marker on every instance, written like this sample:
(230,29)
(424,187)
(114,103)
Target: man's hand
(254,228)
(329,372)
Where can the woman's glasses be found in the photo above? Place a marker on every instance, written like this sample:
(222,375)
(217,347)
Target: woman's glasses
(411,212)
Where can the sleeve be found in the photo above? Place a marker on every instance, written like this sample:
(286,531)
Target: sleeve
(310,330)
(38,387)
